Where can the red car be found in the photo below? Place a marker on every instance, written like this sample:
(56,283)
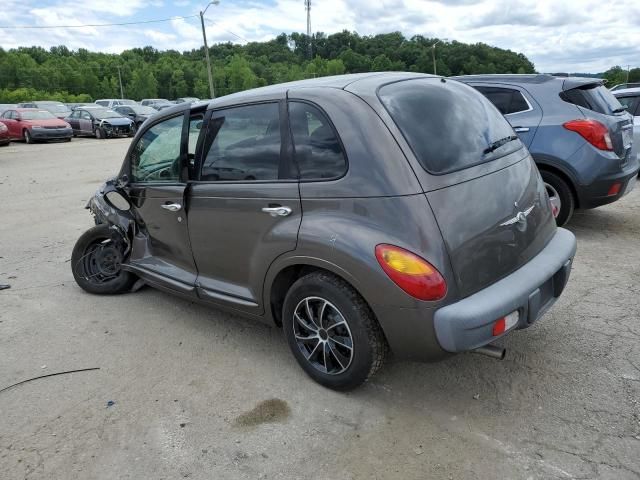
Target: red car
(5,139)
(33,124)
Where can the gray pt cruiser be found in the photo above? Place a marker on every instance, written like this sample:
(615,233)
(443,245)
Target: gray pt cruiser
(361,213)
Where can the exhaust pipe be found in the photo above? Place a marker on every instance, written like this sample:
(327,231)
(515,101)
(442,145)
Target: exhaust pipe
(492,351)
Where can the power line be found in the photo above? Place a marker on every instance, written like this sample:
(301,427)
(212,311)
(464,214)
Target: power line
(31,27)
(211,22)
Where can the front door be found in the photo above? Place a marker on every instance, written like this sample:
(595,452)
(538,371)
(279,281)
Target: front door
(161,251)
(9,119)
(245,207)
(85,123)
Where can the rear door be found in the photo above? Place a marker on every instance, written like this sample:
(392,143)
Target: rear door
(161,251)
(244,210)
(481,183)
(517,105)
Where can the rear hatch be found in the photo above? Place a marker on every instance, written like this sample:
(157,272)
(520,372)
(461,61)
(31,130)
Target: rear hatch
(596,102)
(490,203)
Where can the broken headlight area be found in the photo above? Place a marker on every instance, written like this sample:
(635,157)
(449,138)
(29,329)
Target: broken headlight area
(105,211)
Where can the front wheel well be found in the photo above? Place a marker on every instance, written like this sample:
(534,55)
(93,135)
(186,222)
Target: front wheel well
(563,176)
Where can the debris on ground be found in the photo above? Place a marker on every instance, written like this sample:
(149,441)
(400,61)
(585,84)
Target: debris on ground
(4,286)
(110,403)
(49,375)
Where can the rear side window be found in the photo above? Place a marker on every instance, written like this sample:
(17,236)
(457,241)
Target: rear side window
(507,100)
(593,97)
(448,125)
(318,152)
(246,144)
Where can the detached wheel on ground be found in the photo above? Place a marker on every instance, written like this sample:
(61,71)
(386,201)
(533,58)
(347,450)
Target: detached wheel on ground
(560,195)
(332,332)
(28,138)
(96,260)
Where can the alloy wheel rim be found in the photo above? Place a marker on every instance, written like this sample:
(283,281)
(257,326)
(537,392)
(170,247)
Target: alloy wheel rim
(554,197)
(323,335)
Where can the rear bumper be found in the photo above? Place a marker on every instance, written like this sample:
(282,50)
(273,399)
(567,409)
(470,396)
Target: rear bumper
(531,290)
(597,194)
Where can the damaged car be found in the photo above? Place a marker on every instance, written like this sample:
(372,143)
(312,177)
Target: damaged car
(100,122)
(334,209)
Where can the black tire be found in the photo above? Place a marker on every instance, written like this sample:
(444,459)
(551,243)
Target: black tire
(556,185)
(369,347)
(27,136)
(6,144)
(100,133)
(67,139)
(95,263)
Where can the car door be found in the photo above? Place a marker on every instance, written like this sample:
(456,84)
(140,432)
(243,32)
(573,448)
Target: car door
(73,120)
(8,118)
(518,107)
(245,206)
(85,123)
(161,251)
(632,102)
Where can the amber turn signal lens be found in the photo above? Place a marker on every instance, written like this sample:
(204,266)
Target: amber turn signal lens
(411,273)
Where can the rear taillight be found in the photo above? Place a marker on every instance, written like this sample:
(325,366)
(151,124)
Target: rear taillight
(592,131)
(411,273)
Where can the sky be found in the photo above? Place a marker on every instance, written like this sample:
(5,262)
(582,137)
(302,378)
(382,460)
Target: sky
(586,36)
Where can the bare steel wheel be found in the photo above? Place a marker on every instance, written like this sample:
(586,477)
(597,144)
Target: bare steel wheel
(323,335)
(332,332)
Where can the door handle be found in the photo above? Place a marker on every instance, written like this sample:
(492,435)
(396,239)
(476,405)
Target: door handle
(172,207)
(520,129)
(277,211)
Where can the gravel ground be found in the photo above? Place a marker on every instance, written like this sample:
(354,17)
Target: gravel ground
(202,394)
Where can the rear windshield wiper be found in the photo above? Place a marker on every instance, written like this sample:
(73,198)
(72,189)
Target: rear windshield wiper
(498,143)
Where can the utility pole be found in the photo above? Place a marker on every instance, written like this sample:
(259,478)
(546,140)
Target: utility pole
(307,5)
(120,78)
(433,54)
(206,48)
(628,67)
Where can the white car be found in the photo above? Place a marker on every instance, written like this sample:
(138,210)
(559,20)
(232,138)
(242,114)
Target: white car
(114,102)
(630,98)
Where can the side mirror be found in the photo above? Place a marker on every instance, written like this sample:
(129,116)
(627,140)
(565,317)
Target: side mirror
(132,115)
(117,201)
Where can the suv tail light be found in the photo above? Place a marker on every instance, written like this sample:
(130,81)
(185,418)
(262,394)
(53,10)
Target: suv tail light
(592,131)
(411,273)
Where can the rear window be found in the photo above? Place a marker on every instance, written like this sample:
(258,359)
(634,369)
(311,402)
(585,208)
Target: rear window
(593,97)
(448,125)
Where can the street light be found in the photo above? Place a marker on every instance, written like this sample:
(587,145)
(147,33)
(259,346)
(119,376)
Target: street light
(433,54)
(206,47)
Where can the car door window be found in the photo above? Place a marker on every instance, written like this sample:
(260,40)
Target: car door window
(156,156)
(507,100)
(632,104)
(246,144)
(318,152)
(85,116)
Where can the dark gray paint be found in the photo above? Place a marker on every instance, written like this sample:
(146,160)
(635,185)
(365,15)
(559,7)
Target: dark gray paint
(228,253)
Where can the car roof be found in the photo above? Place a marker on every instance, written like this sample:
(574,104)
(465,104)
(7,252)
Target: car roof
(509,77)
(24,109)
(623,91)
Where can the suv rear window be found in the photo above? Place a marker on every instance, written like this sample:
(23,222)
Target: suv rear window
(448,125)
(593,97)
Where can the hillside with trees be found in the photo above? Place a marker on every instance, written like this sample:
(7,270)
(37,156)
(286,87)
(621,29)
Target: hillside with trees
(29,73)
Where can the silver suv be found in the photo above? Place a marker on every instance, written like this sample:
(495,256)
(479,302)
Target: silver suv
(359,213)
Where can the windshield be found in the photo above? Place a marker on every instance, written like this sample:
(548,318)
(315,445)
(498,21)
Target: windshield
(55,108)
(36,115)
(448,125)
(102,113)
(125,102)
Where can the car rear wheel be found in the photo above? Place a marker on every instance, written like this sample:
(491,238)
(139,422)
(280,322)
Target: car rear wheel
(96,262)
(28,138)
(560,195)
(332,332)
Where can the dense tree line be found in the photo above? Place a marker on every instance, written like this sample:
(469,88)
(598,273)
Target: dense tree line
(59,73)
(617,74)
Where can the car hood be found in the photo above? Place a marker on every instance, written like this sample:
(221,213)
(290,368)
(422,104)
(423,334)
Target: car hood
(48,122)
(116,121)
